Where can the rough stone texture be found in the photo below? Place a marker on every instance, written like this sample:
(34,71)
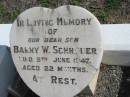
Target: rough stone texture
(108,84)
(109,81)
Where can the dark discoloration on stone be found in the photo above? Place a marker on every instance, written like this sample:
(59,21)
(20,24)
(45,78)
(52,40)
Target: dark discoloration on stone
(68,9)
(52,12)
(32,30)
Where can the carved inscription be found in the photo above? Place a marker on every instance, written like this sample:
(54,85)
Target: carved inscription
(56,49)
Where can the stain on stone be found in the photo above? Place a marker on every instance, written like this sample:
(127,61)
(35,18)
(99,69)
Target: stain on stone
(32,30)
(52,11)
(68,9)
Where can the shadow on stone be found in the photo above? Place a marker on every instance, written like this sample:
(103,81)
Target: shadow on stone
(124,90)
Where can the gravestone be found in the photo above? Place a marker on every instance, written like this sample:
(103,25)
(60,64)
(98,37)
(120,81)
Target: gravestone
(57,52)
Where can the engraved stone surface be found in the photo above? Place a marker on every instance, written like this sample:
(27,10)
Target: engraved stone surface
(58,51)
